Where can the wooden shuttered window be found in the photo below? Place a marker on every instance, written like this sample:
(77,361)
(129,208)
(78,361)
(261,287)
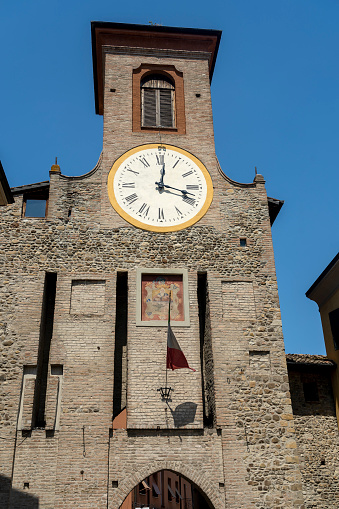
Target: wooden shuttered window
(157,102)
(334,321)
(166,108)
(149,108)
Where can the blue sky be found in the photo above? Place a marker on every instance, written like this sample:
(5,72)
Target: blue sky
(275,102)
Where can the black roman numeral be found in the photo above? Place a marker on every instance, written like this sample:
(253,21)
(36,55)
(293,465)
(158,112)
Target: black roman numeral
(143,210)
(192,187)
(179,212)
(135,172)
(128,184)
(144,162)
(190,201)
(161,216)
(131,198)
(187,173)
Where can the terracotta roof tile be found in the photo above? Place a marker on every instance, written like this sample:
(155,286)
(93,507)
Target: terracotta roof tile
(315,360)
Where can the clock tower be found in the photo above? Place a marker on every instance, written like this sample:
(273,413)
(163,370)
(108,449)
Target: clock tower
(185,223)
(156,248)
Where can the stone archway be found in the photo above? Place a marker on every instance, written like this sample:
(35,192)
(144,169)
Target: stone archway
(212,499)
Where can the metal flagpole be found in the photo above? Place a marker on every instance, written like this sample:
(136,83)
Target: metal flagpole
(166,391)
(169,321)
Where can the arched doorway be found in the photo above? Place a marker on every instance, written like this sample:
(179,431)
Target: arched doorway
(166,489)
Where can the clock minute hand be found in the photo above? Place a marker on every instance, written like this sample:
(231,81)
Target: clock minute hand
(183,191)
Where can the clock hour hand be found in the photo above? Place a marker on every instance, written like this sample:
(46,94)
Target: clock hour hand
(162,173)
(183,191)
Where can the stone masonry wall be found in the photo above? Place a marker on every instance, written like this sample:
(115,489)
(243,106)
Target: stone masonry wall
(317,437)
(249,459)
(78,250)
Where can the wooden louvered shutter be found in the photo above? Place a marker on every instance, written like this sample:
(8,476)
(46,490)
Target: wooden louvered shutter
(149,116)
(166,107)
(157,94)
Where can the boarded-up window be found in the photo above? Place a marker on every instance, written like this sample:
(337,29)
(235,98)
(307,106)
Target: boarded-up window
(260,360)
(157,102)
(88,297)
(238,300)
(334,321)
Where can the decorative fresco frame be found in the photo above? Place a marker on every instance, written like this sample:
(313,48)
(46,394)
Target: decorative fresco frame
(180,298)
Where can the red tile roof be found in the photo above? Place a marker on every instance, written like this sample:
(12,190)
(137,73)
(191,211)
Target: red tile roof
(315,360)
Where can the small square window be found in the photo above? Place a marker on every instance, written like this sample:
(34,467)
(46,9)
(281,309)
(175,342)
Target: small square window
(57,369)
(35,208)
(243,242)
(35,204)
(311,391)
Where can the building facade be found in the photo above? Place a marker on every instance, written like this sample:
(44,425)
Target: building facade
(310,378)
(5,191)
(325,292)
(90,266)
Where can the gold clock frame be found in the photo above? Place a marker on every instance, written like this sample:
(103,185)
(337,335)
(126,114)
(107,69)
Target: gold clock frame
(141,225)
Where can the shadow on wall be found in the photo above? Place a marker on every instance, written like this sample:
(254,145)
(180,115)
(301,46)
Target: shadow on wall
(16,499)
(311,392)
(183,414)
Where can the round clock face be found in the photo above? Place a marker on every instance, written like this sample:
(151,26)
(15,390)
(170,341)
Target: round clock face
(160,188)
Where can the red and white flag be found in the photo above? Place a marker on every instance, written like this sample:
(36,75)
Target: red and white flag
(175,356)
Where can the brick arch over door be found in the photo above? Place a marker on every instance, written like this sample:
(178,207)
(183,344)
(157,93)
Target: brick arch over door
(211,492)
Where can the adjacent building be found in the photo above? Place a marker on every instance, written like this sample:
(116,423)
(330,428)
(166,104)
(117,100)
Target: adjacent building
(325,292)
(5,191)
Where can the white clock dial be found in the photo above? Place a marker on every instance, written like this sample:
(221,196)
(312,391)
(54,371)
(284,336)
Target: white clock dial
(160,187)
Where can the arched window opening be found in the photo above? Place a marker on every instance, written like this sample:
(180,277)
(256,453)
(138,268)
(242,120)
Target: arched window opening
(157,101)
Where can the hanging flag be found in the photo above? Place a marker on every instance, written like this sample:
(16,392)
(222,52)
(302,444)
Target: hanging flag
(175,356)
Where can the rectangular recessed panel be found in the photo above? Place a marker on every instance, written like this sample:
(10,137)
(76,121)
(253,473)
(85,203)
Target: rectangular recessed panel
(52,401)
(238,300)
(45,339)
(27,408)
(88,297)
(260,360)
